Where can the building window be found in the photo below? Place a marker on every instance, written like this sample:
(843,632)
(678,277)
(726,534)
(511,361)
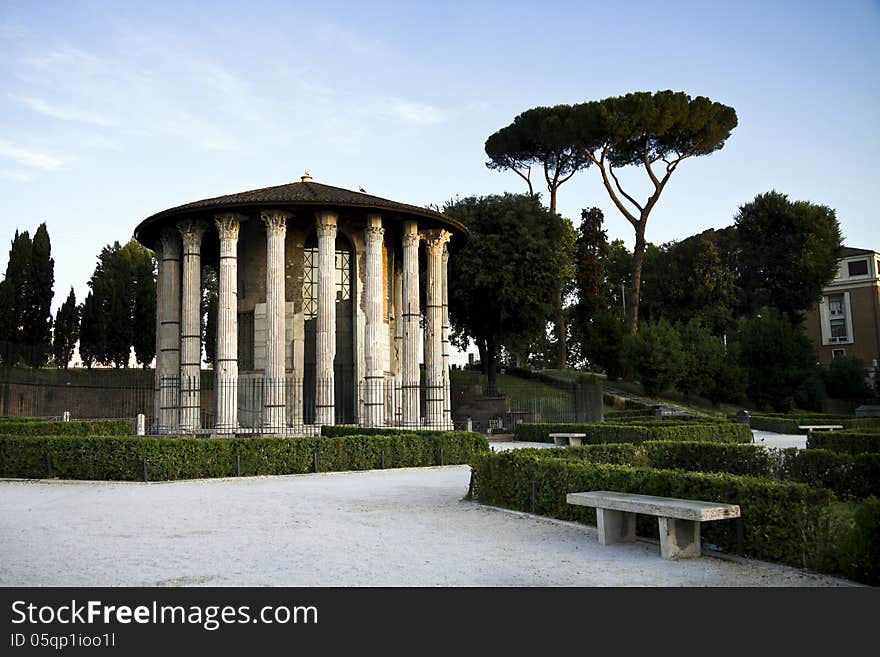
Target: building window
(837,318)
(858,268)
(310,279)
(838,353)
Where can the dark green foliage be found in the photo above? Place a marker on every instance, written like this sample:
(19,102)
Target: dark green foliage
(782,520)
(691,279)
(703,360)
(501,282)
(120,311)
(655,355)
(788,252)
(850,442)
(778,359)
(856,549)
(66,331)
(790,424)
(36,427)
(121,458)
(656,131)
(607,432)
(845,379)
(36,317)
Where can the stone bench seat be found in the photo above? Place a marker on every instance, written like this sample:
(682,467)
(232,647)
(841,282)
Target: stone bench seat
(820,427)
(679,519)
(568,438)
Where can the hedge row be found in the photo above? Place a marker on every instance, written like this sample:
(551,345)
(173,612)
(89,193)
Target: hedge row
(37,427)
(849,476)
(605,432)
(791,424)
(121,458)
(851,442)
(782,520)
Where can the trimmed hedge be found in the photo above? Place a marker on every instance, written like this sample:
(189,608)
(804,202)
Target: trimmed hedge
(121,458)
(789,424)
(851,442)
(636,433)
(782,520)
(850,476)
(38,427)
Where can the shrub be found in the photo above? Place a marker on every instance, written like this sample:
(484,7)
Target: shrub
(37,427)
(851,442)
(782,520)
(845,379)
(655,354)
(121,458)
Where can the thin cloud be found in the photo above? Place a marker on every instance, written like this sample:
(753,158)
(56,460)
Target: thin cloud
(29,158)
(74,114)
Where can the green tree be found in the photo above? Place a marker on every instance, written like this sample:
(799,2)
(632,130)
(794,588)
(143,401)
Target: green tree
(655,355)
(707,369)
(546,138)
(66,331)
(778,359)
(845,379)
(143,302)
(658,132)
(499,280)
(788,252)
(15,297)
(37,302)
(90,332)
(121,306)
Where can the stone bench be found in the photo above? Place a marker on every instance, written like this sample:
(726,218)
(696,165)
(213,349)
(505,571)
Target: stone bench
(820,427)
(679,519)
(568,438)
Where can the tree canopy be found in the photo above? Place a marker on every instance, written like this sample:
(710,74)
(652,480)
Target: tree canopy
(66,331)
(788,251)
(656,131)
(500,282)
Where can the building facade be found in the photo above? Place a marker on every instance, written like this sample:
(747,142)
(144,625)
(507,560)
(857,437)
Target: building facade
(846,322)
(319,309)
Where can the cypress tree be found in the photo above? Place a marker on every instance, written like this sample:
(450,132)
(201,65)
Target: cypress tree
(37,312)
(14,297)
(67,323)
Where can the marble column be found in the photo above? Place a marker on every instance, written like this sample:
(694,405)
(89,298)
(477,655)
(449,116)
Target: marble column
(157,384)
(435,242)
(398,343)
(374,380)
(168,337)
(191,326)
(226,356)
(410,315)
(444,336)
(274,409)
(325,329)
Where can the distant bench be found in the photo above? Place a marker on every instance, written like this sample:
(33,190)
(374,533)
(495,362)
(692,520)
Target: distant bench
(679,519)
(820,427)
(568,438)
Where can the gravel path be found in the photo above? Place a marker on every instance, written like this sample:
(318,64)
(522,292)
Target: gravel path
(381,528)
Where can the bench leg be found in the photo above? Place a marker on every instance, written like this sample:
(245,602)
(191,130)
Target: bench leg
(679,539)
(575,441)
(559,441)
(615,526)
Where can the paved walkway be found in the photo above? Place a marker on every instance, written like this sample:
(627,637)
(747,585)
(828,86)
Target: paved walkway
(381,528)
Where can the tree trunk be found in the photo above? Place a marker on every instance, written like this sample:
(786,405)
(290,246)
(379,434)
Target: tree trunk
(481,349)
(491,376)
(638,258)
(559,320)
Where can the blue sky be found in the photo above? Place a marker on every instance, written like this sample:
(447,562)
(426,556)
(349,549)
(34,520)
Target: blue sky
(111,111)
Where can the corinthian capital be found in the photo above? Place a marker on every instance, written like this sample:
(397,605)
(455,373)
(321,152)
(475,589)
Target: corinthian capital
(275,220)
(191,232)
(325,223)
(228,224)
(436,240)
(169,243)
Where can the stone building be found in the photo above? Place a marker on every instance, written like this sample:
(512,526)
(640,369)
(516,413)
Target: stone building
(319,308)
(846,321)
